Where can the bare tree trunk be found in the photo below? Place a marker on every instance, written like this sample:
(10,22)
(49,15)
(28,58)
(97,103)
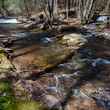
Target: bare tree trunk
(108,12)
(67,9)
(86,10)
(55,8)
(27,9)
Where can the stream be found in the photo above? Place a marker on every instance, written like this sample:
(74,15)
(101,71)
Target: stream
(60,73)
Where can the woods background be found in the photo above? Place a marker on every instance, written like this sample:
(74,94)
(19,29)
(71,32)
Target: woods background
(83,9)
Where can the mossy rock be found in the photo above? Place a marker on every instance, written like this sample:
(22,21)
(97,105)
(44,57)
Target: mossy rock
(6,103)
(29,105)
(5,87)
(6,97)
(5,64)
(9,102)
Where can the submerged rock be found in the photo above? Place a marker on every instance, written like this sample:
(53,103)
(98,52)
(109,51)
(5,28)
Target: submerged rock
(100,61)
(37,58)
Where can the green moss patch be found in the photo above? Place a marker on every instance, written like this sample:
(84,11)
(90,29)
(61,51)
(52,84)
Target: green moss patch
(29,105)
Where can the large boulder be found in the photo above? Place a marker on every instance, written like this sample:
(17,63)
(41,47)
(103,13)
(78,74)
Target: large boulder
(36,58)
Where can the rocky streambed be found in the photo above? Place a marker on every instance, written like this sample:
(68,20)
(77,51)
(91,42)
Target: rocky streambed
(70,73)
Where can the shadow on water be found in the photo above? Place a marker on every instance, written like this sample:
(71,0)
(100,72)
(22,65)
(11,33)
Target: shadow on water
(30,39)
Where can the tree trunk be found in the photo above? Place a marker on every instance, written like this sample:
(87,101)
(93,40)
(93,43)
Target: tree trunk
(67,9)
(27,9)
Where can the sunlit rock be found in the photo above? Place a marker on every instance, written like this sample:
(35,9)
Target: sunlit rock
(5,64)
(74,40)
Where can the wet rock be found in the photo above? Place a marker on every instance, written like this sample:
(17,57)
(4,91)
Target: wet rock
(81,103)
(102,97)
(37,58)
(78,62)
(82,98)
(104,73)
(100,61)
(47,40)
(88,88)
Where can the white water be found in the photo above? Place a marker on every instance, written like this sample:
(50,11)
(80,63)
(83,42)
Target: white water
(6,21)
(102,18)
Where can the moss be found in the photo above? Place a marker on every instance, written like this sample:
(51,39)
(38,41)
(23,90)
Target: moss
(5,87)
(6,98)
(9,102)
(6,103)
(29,105)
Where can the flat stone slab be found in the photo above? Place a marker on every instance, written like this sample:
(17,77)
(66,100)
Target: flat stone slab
(38,57)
